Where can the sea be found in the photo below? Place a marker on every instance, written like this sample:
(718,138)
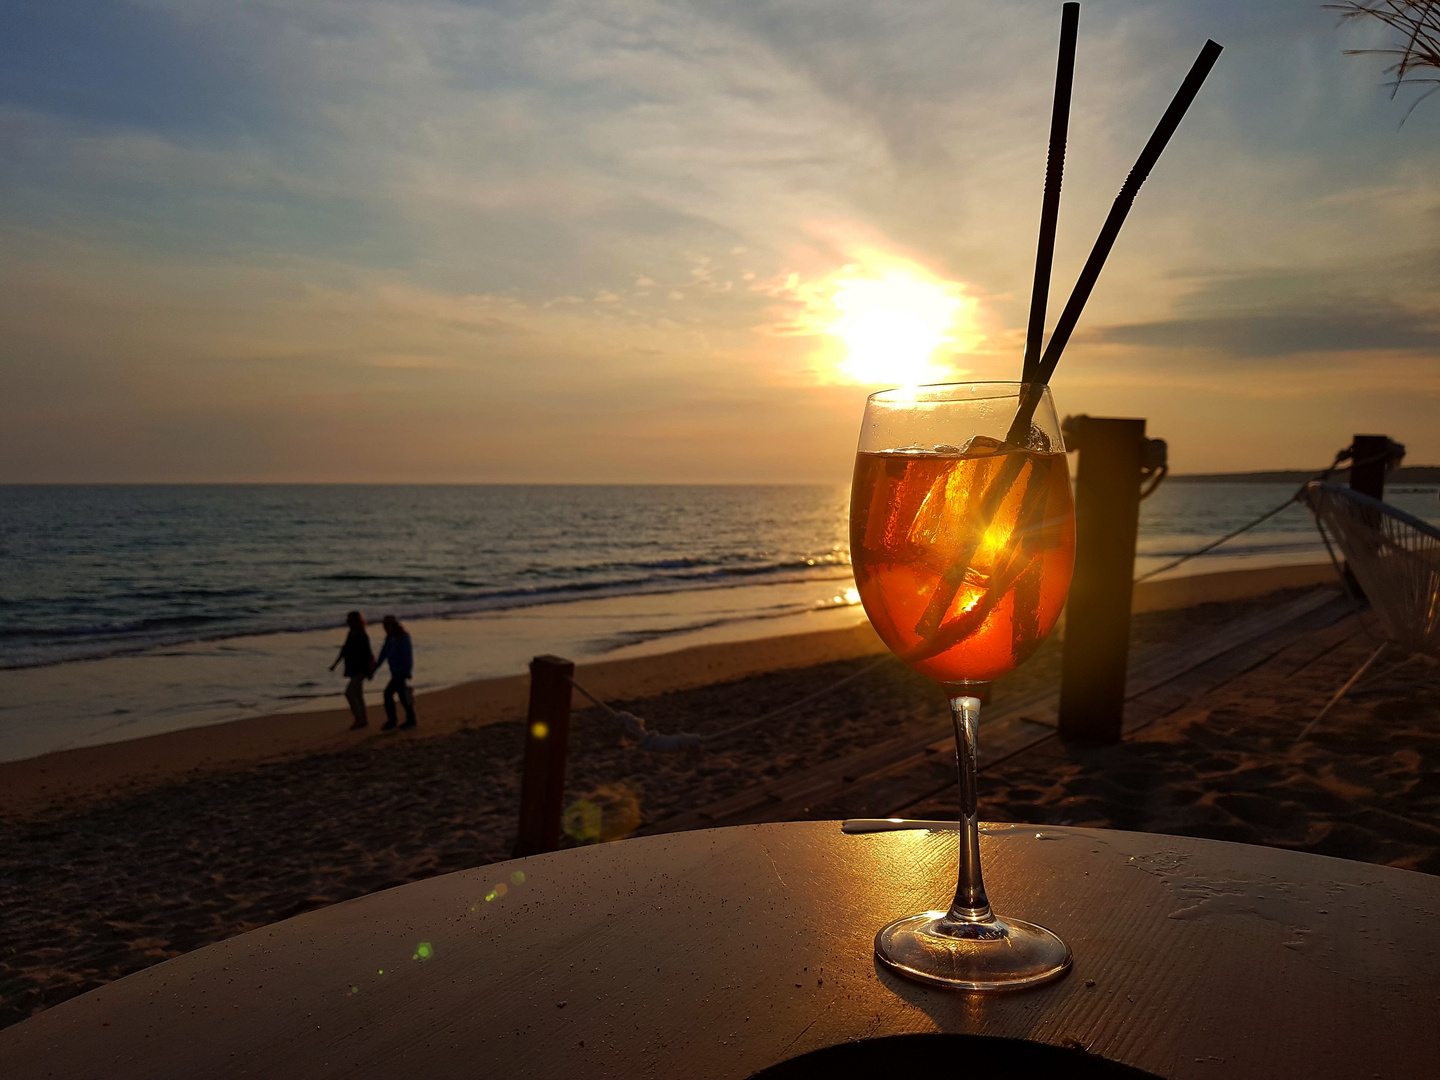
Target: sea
(128,610)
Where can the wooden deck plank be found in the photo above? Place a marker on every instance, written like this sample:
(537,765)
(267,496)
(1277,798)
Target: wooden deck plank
(1245,673)
(1163,681)
(1148,673)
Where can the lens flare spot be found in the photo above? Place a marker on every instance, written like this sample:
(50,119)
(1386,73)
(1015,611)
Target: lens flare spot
(423,951)
(583,821)
(539,730)
(517,878)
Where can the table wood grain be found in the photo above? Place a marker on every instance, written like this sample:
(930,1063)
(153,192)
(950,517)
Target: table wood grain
(718,953)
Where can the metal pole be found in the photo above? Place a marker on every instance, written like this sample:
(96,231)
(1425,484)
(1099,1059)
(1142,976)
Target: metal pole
(1097,616)
(547,737)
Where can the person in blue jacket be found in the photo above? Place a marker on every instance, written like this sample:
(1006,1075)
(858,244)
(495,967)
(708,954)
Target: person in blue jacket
(401,656)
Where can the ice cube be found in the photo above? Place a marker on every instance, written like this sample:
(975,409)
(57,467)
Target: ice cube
(981,446)
(946,448)
(1038,440)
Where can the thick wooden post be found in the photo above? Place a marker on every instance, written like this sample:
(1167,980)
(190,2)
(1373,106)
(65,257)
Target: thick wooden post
(547,736)
(1097,615)
(1367,474)
(1371,457)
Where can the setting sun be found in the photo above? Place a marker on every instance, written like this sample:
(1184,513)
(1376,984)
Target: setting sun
(892,323)
(895,322)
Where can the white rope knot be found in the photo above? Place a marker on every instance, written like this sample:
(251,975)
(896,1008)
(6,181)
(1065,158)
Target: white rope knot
(634,728)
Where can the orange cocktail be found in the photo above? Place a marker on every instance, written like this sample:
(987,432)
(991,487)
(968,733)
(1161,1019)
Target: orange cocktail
(962,560)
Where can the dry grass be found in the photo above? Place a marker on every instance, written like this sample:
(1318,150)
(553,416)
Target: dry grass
(1419,22)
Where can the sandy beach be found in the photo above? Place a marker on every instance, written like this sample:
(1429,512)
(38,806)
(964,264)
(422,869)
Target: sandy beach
(115,858)
(72,777)
(1365,784)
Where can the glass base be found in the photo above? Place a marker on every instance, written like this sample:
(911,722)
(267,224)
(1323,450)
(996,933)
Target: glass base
(996,954)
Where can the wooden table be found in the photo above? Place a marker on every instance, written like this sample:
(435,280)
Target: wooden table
(719,953)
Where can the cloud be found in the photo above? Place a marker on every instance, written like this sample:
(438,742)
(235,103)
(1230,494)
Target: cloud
(292,217)
(1295,332)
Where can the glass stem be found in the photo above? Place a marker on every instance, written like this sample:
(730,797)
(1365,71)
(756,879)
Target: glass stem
(971,904)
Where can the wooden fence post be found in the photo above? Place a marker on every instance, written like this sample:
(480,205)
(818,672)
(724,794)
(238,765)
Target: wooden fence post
(1367,473)
(547,737)
(1371,457)
(1097,615)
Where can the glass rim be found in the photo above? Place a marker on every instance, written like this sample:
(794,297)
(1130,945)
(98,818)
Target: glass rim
(903,395)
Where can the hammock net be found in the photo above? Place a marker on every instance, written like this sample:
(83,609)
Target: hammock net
(1394,557)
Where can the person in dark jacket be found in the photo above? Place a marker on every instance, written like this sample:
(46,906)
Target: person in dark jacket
(359,666)
(401,656)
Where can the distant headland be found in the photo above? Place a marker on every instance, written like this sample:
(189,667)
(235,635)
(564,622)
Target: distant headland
(1406,474)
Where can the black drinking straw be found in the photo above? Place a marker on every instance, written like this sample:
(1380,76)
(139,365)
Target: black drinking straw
(1020,428)
(931,620)
(1054,173)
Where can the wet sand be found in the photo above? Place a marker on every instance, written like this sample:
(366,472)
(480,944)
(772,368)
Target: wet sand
(98,886)
(72,778)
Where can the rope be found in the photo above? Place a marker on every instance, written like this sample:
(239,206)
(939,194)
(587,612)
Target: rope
(1216,543)
(635,728)
(803,701)
(1321,475)
(1343,690)
(1156,477)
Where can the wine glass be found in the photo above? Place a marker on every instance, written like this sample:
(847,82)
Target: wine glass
(963,545)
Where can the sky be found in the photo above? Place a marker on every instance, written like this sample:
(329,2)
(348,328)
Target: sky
(634,241)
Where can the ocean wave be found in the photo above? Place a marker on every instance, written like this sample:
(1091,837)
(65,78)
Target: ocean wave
(122,629)
(196,592)
(70,644)
(107,571)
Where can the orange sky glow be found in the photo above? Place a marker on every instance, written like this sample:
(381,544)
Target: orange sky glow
(658,242)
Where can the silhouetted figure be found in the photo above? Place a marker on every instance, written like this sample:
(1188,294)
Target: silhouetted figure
(401,656)
(359,666)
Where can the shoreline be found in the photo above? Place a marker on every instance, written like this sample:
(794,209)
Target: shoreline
(56,707)
(78,776)
(438,612)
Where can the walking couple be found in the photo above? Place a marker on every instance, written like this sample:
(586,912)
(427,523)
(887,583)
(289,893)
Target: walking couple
(361,664)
